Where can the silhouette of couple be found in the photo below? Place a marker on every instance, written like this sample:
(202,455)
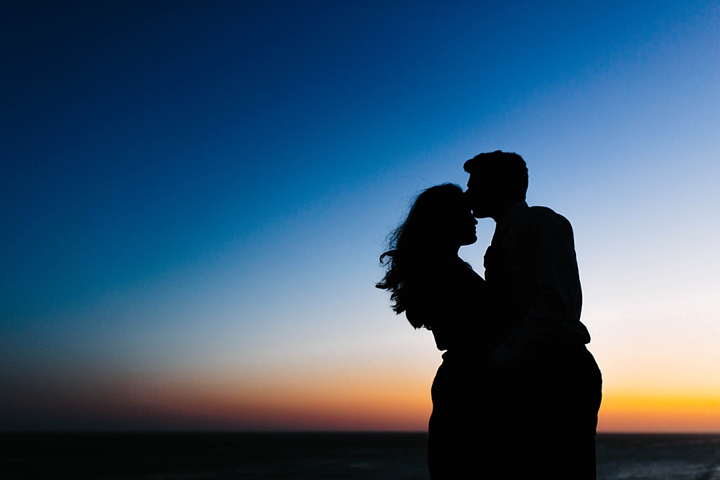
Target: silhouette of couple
(517,394)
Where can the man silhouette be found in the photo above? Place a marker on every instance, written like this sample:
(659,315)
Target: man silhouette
(546,391)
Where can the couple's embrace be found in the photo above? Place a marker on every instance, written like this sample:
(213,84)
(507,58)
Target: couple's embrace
(517,394)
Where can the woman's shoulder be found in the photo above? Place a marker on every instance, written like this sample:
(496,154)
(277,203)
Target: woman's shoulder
(446,281)
(448,272)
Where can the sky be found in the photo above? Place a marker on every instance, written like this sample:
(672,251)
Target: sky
(195,196)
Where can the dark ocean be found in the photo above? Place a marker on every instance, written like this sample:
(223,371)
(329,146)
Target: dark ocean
(386,456)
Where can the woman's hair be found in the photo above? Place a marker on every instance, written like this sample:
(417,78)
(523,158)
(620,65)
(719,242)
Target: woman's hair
(412,244)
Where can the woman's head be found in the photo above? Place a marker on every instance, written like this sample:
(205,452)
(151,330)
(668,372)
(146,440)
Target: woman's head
(438,224)
(439,220)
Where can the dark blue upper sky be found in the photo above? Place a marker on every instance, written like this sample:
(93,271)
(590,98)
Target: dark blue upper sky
(137,135)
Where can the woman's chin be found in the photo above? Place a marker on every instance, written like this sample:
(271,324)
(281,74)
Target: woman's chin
(470,240)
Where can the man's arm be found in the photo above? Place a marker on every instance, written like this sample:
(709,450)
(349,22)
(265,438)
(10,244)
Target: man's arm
(556,296)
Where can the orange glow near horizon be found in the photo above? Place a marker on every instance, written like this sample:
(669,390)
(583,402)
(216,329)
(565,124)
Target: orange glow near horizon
(335,401)
(359,399)
(406,410)
(640,413)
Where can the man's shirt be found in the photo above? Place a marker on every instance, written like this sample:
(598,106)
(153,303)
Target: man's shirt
(532,273)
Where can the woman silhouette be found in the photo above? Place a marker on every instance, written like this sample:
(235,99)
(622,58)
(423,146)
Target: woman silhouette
(439,291)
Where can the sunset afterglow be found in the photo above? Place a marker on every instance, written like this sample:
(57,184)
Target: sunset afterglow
(195,196)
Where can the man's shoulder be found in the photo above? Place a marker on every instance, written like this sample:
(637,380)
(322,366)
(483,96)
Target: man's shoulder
(544,213)
(539,217)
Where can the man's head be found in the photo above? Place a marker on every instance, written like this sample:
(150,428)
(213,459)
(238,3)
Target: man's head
(497,180)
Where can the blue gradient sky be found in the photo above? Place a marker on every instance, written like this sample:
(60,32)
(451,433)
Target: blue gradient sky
(195,196)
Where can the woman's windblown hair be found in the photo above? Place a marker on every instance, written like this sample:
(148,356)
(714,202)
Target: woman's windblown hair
(413,243)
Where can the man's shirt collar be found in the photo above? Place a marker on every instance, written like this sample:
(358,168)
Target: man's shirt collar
(513,211)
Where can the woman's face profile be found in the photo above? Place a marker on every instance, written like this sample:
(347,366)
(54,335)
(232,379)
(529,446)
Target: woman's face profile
(467,232)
